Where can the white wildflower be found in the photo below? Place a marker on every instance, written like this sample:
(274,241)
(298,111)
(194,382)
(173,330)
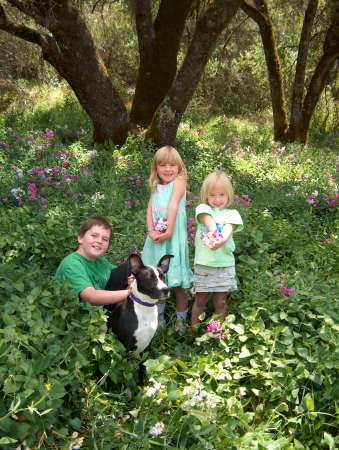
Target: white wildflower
(157,429)
(152,390)
(18,193)
(97,197)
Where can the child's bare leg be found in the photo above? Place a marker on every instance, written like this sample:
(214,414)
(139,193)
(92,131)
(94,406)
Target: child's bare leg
(181,299)
(220,300)
(198,306)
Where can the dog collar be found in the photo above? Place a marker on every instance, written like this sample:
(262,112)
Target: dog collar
(137,300)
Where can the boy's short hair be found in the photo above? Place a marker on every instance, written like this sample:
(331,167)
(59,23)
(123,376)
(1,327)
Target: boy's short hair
(95,220)
(217,180)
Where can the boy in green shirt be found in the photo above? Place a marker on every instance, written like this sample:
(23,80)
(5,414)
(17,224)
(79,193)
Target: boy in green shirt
(87,270)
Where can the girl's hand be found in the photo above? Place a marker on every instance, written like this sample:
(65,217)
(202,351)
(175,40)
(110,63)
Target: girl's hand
(154,235)
(217,243)
(162,237)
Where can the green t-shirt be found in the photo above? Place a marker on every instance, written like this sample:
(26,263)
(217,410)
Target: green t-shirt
(223,256)
(82,273)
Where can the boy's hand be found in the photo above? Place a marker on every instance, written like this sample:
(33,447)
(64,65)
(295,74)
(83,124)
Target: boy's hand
(130,280)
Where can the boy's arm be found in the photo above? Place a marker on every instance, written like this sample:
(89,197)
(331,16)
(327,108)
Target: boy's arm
(102,297)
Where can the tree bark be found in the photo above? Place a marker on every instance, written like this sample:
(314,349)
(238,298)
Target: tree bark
(168,116)
(321,75)
(258,11)
(299,79)
(71,51)
(158,48)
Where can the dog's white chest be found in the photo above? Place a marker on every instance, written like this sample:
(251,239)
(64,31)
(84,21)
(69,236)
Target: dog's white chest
(147,325)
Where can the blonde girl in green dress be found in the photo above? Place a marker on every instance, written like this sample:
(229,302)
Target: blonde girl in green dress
(167,227)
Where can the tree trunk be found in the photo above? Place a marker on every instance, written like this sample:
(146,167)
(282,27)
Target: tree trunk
(71,51)
(321,74)
(299,79)
(260,14)
(168,116)
(158,49)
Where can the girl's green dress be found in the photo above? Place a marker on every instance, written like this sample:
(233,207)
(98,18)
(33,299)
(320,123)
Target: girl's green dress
(179,273)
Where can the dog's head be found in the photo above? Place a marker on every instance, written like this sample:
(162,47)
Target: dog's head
(149,280)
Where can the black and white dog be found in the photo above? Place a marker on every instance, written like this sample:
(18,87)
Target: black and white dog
(135,321)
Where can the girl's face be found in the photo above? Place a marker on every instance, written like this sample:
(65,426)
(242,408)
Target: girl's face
(167,172)
(94,242)
(217,198)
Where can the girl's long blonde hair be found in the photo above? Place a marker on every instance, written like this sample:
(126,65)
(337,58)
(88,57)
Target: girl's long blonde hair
(217,180)
(166,155)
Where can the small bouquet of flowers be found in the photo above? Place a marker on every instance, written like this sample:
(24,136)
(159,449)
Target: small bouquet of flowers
(211,237)
(161,224)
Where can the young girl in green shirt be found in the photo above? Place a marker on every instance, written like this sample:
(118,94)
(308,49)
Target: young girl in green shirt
(214,265)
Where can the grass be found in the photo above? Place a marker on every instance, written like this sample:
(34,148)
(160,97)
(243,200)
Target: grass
(270,383)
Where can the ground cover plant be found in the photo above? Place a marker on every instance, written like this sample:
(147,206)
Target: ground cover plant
(266,378)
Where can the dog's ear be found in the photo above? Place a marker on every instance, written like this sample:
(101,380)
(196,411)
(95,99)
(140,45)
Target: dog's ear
(135,263)
(164,262)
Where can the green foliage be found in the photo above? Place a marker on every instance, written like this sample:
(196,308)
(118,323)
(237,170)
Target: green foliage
(268,383)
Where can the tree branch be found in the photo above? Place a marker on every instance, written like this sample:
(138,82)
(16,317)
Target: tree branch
(27,9)
(21,31)
(144,25)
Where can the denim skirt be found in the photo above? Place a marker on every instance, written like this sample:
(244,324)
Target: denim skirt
(214,279)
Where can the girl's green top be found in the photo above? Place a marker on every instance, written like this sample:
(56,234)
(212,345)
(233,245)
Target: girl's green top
(223,256)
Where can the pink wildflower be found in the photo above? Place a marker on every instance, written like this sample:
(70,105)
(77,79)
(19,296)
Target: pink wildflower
(43,202)
(311,200)
(214,327)
(84,171)
(288,292)
(332,202)
(32,191)
(49,134)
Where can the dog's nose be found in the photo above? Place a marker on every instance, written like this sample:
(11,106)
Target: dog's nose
(165,293)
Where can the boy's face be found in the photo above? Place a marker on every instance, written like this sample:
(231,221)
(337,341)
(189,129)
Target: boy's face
(217,198)
(94,242)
